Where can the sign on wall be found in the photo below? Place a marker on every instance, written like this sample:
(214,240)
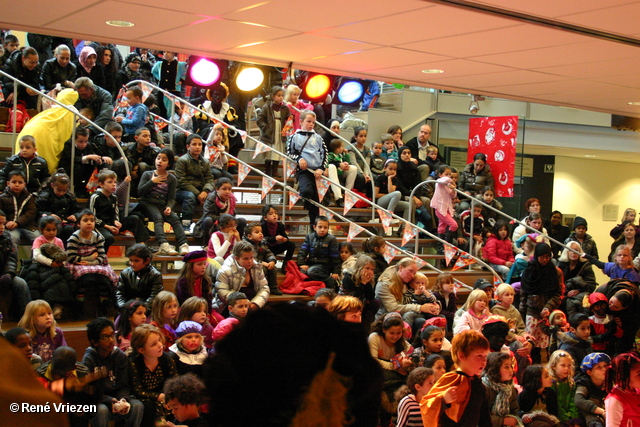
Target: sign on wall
(496,137)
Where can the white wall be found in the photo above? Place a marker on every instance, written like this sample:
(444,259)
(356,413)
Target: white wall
(583,187)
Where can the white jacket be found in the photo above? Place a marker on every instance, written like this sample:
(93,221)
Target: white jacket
(231,278)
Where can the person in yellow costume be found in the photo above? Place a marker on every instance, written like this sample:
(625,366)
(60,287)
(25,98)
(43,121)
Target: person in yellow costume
(52,128)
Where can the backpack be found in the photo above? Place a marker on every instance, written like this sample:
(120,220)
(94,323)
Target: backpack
(22,117)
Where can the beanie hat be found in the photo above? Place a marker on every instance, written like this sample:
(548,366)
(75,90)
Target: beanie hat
(596,297)
(188,327)
(131,58)
(554,314)
(579,221)
(592,359)
(195,256)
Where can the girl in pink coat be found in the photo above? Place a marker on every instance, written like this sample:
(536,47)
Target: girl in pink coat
(442,203)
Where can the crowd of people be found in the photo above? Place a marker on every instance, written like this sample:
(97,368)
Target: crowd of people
(152,358)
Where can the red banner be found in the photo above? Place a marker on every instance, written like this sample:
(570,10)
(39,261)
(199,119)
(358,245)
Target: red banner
(496,137)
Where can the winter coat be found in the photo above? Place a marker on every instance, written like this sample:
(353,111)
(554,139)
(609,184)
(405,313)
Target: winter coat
(48,203)
(144,285)
(148,195)
(362,291)
(262,251)
(588,245)
(581,278)
(36,170)
(308,146)
(147,156)
(105,208)
(271,239)
(266,121)
(566,391)
(498,251)
(14,67)
(189,362)
(194,174)
(231,278)
(527,400)
(473,183)
(101,148)
(182,291)
(53,73)
(212,209)
(52,284)
(100,103)
(26,203)
(116,385)
(576,347)
(514,408)
(320,250)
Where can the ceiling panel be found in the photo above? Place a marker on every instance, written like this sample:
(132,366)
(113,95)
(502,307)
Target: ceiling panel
(221,34)
(452,68)
(595,69)
(209,8)
(313,15)
(615,19)
(47,11)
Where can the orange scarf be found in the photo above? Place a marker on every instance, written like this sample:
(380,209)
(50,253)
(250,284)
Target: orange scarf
(431,404)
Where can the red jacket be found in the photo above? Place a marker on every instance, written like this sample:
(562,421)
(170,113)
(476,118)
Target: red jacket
(498,251)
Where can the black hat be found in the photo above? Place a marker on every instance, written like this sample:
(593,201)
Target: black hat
(579,221)
(482,284)
(132,57)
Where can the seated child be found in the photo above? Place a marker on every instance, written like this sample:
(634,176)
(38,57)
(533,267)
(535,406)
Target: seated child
(621,404)
(196,309)
(340,170)
(150,367)
(140,280)
(521,260)
(556,329)
(408,397)
(105,147)
(31,165)
(323,298)
(318,256)
(116,401)
(157,190)
(478,224)
(389,148)
(47,276)
(194,280)
(430,341)
(444,292)
(264,256)
(132,315)
(417,293)
(104,205)
(501,394)
(432,160)
(346,308)
(189,351)
(88,261)
(375,247)
(347,253)
(164,313)
(576,342)
(538,401)
(137,112)
(490,217)
(45,335)
(220,201)
(561,369)
(19,207)
(591,388)
(57,201)
(222,242)
(376,161)
(603,327)
(215,153)
(442,406)
(498,250)
(141,157)
(238,304)
(21,339)
(184,396)
(241,273)
(475,311)
(84,161)
(276,235)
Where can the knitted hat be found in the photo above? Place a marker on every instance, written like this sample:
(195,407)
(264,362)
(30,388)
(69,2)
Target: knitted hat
(592,359)
(579,221)
(132,57)
(555,313)
(188,327)
(482,284)
(596,297)
(195,256)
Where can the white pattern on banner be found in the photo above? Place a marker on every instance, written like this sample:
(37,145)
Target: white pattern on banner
(267,185)
(1,94)
(243,135)
(349,200)
(121,101)
(419,262)
(354,230)
(146,91)
(291,168)
(187,113)
(390,253)
(385,219)
(243,171)
(293,198)
(449,252)
(260,148)
(323,186)
(463,260)
(409,233)
(328,214)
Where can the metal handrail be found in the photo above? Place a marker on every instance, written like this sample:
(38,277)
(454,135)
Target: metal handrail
(75,113)
(355,149)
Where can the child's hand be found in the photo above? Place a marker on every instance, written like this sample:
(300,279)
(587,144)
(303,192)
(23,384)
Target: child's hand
(335,276)
(511,323)
(202,196)
(304,267)
(281,239)
(303,164)
(526,419)
(508,264)
(421,290)
(11,225)
(167,211)
(544,312)
(82,263)
(107,160)
(157,179)
(318,173)
(450,395)
(520,338)
(271,265)
(119,119)
(477,238)
(393,174)
(254,306)
(128,178)
(56,217)
(112,229)
(56,264)
(344,166)
(118,224)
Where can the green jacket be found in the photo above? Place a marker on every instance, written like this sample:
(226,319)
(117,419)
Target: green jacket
(194,174)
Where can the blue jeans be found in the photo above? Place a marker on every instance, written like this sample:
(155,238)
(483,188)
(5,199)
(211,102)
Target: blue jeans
(157,216)
(188,200)
(21,293)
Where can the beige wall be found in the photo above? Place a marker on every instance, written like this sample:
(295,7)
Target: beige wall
(582,187)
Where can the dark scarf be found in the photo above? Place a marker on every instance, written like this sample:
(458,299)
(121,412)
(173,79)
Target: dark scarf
(536,278)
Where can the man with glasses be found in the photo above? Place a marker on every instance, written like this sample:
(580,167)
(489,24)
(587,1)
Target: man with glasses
(25,67)
(104,356)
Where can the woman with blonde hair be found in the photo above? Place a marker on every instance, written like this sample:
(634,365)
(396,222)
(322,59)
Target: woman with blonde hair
(628,217)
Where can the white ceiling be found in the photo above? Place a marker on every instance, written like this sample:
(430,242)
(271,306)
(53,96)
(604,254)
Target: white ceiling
(386,40)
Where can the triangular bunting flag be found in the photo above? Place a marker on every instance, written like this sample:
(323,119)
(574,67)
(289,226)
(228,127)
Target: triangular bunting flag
(291,168)
(121,100)
(187,113)
(243,171)
(260,148)
(243,135)
(385,219)
(390,253)
(419,262)
(449,252)
(409,233)
(323,186)
(326,213)
(463,260)
(349,200)
(267,185)
(146,90)
(496,281)
(456,286)
(159,124)
(293,198)
(354,230)
(1,94)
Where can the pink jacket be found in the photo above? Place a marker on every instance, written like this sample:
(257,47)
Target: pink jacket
(301,105)
(443,196)
(498,251)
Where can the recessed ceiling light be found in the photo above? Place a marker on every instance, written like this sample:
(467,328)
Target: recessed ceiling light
(123,24)
(589,155)
(249,44)
(634,103)
(433,71)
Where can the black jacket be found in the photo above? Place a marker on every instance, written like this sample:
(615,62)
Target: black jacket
(26,203)
(14,67)
(263,253)
(105,208)
(100,103)
(271,239)
(116,384)
(52,284)
(100,147)
(53,73)
(36,169)
(144,285)
(8,254)
(320,250)
(48,203)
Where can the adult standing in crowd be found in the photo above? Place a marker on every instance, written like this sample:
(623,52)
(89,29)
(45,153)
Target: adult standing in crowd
(59,70)
(130,71)
(89,67)
(556,231)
